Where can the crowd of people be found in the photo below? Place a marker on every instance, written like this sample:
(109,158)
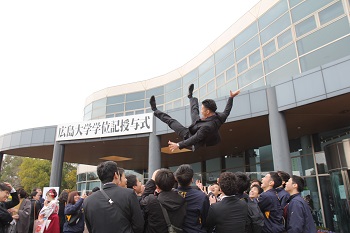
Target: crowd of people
(167,203)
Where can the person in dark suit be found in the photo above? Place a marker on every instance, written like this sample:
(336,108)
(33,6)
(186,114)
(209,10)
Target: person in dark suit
(121,213)
(203,131)
(230,214)
(5,191)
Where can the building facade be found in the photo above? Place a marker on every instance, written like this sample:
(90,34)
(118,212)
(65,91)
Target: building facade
(290,58)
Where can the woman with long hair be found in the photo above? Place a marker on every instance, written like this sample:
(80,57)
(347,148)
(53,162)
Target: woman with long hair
(74,207)
(49,213)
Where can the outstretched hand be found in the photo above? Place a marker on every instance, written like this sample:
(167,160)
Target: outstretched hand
(234,94)
(173,146)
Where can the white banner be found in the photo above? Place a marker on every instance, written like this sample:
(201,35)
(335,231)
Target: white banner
(126,125)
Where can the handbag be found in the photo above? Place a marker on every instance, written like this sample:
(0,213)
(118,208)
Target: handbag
(38,226)
(171,227)
(11,228)
(73,219)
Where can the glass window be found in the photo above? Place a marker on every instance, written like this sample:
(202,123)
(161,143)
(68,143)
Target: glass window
(87,116)
(82,177)
(81,186)
(159,100)
(98,112)
(115,108)
(121,114)
(117,99)
(224,64)
(269,48)
(305,26)
(275,28)
(190,76)
(173,85)
(247,48)
(326,54)
(135,96)
(91,185)
(331,12)
(254,58)
(139,112)
(272,14)
(321,163)
(177,103)
(110,116)
(26,137)
(242,66)
(88,108)
(213,168)
(206,77)
(280,58)
(206,65)
(50,134)
(250,76)
(92,176)
(169,106)
(283,74)
(134,105)
(230,73)
(211,86)
(155,91)
(173,95)
(245,35)
(225,89)
(294,2)
(220,80)
(203,91)
(284,38)
(323,36)
(224,51)
(306,8)
(99,103)
(235,164)
(130,113)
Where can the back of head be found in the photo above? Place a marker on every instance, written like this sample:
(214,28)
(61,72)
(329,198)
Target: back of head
(184,175)
(227,182)
(165,179)
(95,189)
(276,179)
(284,176)
(209,104)
(22,193)
(106,171)
(243,182)
(299,181)
(4,187)
(63,197)
(131,181)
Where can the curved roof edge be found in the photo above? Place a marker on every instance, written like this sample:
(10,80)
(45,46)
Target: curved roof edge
(255,12)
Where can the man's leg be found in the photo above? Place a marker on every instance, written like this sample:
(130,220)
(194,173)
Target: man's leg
(194,104)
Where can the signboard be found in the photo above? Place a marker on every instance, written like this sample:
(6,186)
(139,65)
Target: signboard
(126,125)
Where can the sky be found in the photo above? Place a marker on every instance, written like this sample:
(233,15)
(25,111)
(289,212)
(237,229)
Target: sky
(54,54)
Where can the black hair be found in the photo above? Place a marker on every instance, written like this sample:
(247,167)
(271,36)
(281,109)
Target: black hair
(276,179)
(33,194)
(95,189)
(106,171)
(165,179)
(260,190)
(4,187)
(284,176)
(209,104)
(299,181)
(184,175)
(63,197)
(131,181)
(22,193)
(228,183)
(243,182)
(255,180)
(120,172)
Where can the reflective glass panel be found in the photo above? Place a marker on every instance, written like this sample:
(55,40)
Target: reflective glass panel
(173,85)
(230,73)
(117,99)
(190,76)
(224,51)
(306,8)
(203,91)
(225,89)
(242,66)
(284,38)
(283,74)
(245,35)
(305,26)
(177,103)
(99,103)
(206,77)
(92,176)
(254,58)
(92,185)
(110,116)
(323,36)
(206,65)
(155,91)
(292,3)
(331,12)
(269,48)
(134,105)
(247,48)
(139,112)
(321,163)
(213,168)
(98,112)
(82,177)
(88,108)
(115,108)
(250,76)
(220,80)
(173,95)
(235,164)
(211,86)
(224,64)
(135,96)
(272,14)
(280,58)
(275,28)
(130,113)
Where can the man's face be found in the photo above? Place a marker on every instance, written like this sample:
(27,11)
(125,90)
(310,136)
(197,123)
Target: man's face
(138,187)
(289,185)
(37,197)
(39,191)
(265,181)
(4,195)
(215,189)
(123,181)
(204,111)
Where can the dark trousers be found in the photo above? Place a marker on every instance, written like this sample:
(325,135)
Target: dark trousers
(173,124)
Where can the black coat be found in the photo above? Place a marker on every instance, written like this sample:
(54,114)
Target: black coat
(5,216)
(123,217)
(206,132)
(228,215)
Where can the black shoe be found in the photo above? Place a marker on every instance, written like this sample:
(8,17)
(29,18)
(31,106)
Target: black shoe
(190,90)
(152,102)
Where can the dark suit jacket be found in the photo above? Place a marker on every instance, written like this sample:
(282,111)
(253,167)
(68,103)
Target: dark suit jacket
(122,216)
(228,215)
(5,216)
(206,132)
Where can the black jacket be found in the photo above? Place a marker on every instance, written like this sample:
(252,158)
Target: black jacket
(206,132)
(123,217)
(228,215)
(5,216)
(154,218)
